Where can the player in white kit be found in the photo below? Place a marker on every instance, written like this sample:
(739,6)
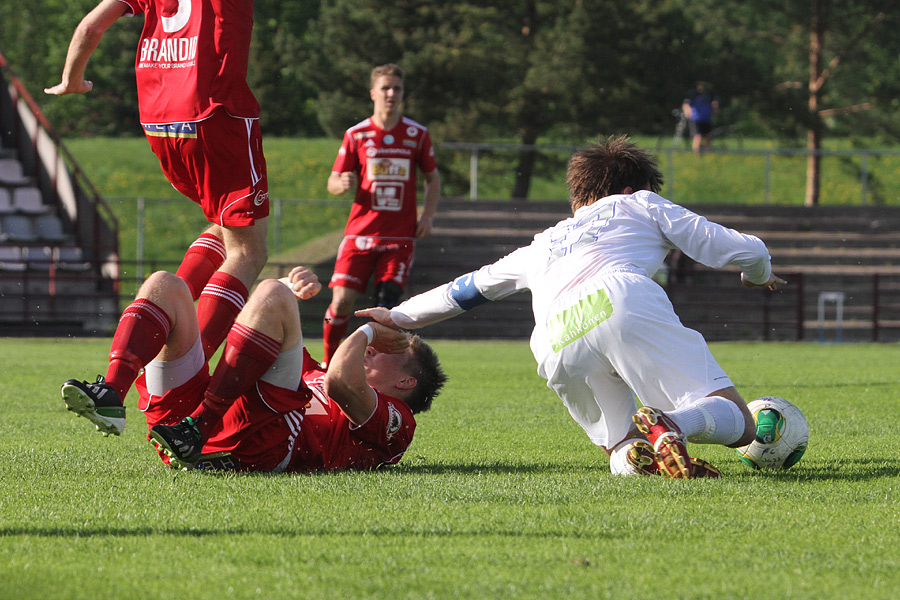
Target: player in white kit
(606,333)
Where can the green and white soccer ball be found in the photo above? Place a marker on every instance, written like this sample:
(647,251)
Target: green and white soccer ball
(782,434)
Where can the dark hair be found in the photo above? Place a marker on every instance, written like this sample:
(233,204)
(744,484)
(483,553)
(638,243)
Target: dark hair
(430,377)
(607,168)
(389,69)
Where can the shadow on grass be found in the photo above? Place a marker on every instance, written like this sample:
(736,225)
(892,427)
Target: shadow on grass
(844,469)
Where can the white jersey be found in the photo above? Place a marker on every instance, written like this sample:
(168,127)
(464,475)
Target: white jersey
(628,233)
(604,331)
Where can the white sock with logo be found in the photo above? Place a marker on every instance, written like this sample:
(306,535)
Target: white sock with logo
(710,420)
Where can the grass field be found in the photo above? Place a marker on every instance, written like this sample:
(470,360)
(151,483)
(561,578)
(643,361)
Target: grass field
(500,496)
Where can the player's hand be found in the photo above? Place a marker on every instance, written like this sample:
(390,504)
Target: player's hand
(303,282)
(378,314)
(388,340)
(773,282)
(423,227)
(349,181)
(62,89)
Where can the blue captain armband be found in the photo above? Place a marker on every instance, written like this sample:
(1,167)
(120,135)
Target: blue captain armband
(464,292)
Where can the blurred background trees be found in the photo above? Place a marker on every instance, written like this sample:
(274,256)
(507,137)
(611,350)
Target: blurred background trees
(519,71)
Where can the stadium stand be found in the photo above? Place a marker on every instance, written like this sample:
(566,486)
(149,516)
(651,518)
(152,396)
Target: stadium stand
(59,264)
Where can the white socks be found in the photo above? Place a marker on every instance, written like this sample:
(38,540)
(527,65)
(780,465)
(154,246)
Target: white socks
(710,420)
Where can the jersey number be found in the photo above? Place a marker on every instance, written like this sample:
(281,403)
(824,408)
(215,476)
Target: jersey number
(583,232)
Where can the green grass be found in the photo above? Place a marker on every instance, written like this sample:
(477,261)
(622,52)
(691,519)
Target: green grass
(501,495)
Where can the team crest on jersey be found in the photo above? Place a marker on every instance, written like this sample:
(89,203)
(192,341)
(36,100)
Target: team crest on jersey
(395,421)
(412,131)
(388,139)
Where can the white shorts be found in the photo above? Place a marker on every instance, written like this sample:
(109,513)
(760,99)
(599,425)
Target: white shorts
(639,348)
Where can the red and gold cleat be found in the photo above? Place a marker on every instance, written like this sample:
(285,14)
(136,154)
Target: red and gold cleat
(669,444)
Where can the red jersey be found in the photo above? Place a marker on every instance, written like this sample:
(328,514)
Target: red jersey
(192,58)
(330,441)
(387,163)
(271,428)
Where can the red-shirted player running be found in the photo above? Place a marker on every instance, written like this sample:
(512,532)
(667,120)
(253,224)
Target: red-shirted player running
(201,120)
(268,406)
(378,162)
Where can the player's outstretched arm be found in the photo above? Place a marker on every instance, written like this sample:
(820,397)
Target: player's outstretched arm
(303,282)
(379,315)
(84,41)
(772,283)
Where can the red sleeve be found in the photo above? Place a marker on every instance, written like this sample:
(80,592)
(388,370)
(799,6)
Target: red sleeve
(309,363)
(425,158)
(134,7)
(346,160)
(390,428)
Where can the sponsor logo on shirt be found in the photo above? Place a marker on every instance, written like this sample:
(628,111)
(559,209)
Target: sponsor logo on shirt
(168,53)
(388,139)
(172,130)
(388,152)
(387,196)
(577,320)
(389,169)
(395,421)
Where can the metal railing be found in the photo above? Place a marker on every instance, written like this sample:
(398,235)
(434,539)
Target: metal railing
(477,150)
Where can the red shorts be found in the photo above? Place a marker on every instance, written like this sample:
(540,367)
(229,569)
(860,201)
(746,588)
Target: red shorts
(218,163)
(361,257)
(260,432)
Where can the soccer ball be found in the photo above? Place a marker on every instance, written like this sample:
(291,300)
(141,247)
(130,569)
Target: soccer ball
(781,434)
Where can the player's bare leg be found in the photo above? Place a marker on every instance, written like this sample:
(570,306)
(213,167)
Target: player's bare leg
(246,251)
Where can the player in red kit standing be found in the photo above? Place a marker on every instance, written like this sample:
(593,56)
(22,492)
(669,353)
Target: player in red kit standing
(378,162)
(202,122)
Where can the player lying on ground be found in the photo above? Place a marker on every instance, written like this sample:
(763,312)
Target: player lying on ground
(605,332)
(268,406)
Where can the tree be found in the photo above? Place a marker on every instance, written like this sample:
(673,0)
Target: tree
(829,61)
(532,71)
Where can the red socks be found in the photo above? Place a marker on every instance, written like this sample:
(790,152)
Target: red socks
(333,332)
(140,335)
(202,259)
(247,356)
(220,302)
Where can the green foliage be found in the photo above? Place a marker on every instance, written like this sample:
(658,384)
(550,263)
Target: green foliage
(501,495)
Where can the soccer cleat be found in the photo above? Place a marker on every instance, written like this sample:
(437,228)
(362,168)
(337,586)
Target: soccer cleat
(700,468)
(669,444)
(97,402)
(181,442)
(217,461)
(642,458)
